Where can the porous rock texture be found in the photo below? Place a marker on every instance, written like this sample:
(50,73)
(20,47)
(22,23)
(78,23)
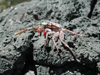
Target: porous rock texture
(27,53)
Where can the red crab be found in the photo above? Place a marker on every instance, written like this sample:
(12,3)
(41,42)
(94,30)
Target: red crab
(56,29)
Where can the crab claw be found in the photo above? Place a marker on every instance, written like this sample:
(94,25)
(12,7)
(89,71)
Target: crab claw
(38,30)
(44,33)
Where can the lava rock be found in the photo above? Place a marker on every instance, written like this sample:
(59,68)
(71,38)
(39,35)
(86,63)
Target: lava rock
(27,52)
(85,47)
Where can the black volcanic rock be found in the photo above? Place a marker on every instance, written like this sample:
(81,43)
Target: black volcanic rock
(27,53)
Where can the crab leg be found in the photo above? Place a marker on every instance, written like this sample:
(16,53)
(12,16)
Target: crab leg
(66,30)
(53,38)
(47,34)
(61,37)
(22,30)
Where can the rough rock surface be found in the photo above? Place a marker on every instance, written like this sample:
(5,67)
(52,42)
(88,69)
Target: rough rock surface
(27,54)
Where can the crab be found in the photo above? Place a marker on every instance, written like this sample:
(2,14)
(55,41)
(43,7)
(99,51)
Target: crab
(56,29)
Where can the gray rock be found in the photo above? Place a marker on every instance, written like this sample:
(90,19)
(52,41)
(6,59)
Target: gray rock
(19,55)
